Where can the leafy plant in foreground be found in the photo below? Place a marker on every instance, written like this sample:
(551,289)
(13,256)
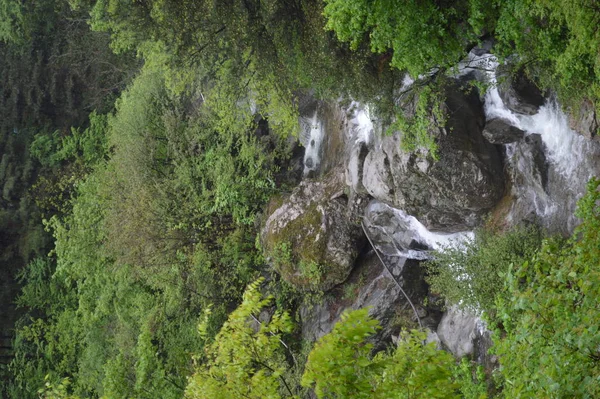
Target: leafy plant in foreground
(550,346)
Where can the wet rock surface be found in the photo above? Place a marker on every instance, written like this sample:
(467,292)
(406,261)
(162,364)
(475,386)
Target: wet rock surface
(518,93)
(355,167)
(500,131)
(529,175)
(371,285)
(464,334)
(452,193)
(584,120)
(392,235)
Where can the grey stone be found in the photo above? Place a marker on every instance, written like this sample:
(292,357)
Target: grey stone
(584,120)
(518,93)
(452,193)
(392,234)
(370,285)
(309,163)
(529,175)
(500,131)
(458,330)
(354,167)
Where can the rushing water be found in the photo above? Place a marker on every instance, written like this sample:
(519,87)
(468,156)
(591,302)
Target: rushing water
(311,137)
(361,123)
(571,158)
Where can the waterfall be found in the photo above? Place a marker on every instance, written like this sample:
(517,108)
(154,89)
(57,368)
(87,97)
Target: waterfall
(361,123)
(572,159)
(311,137)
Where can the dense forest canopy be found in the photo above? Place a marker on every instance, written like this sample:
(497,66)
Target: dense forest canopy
(142,141)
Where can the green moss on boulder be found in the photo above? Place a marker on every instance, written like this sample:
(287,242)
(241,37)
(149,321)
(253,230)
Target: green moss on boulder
(310,239)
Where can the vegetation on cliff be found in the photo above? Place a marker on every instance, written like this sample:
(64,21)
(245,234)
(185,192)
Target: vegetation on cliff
(141,140)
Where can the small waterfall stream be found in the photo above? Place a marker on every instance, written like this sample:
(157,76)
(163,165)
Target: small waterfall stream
(571,158)
(311,138)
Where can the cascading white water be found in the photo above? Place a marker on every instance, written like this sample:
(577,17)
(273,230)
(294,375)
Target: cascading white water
(433,240)
(311,137)
(572,159)
(361,123)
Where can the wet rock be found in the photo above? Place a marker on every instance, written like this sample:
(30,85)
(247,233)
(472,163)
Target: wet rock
(484,48)
(309,163)
(377,175)
(354,167)
(500,131)
(310,237)
(458,331)
(531,157)
(432,336)
(529,176)
(453,193)
(370,285)
(584,120)
(518,93)
(392,235)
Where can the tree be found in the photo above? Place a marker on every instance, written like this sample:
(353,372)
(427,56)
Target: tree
(245,360)
(341,365)
(423,35)
(471,274)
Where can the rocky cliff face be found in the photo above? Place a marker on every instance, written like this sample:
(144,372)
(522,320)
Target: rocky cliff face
(504,154)
(453,193)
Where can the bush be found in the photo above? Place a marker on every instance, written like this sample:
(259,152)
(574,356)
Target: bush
(550,346)
(341,365)
(471,275)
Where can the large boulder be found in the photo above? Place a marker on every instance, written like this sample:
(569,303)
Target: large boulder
(459,331)
(500,131)
(518,93)
(452,193)
(310,237)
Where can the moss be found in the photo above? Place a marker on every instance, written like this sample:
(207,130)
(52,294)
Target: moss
(299,248)
(275,202)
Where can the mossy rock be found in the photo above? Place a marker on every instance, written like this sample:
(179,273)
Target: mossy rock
(310,238)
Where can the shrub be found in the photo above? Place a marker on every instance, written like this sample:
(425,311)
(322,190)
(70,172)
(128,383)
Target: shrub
(550,346)
(471,275)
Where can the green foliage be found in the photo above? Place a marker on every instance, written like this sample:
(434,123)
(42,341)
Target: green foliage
(248,360)
(471,275)
(341,366)
(421,34)
(471,380)
(557,42)
(551,343)
(244,361)
(88,146)
(57,390)
(11,21)
(155,230)
(428,115)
